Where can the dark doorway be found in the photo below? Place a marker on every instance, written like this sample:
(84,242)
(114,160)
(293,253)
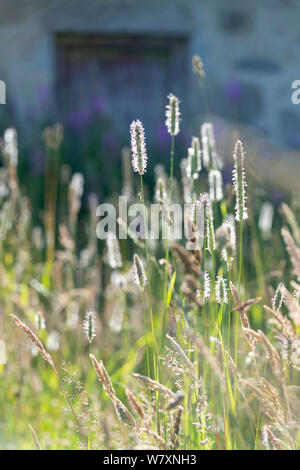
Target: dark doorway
(106,82)
(123,77)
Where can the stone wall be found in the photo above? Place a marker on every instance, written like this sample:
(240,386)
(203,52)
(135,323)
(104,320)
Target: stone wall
(250,51)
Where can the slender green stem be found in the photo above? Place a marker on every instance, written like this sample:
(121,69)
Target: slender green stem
(172,168)
(240,257)
(145,221)
(167,244)
(237,326)
(146,334)
(71,408)
(90,400)
(229,309)
(239,289)
(149,279)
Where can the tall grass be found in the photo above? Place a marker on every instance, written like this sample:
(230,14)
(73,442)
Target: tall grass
(200,351)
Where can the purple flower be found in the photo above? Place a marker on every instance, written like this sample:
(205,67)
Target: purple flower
(163,139)
(98,105)
(79,118)
(233,89)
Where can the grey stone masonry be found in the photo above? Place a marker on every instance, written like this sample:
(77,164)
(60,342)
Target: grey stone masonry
(250,51)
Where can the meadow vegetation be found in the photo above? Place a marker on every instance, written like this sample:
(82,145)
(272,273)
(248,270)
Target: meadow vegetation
(150,344)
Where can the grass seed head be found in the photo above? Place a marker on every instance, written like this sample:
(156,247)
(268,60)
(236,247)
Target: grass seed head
(278,298)
(34,339)
(139,273)
(239,182)
(198,67)
(103,376)
(172,115)
(35,438)
(89,326)
(138,147)
(135,404)
(221,290)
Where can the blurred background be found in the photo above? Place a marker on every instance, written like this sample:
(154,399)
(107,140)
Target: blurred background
(95,66)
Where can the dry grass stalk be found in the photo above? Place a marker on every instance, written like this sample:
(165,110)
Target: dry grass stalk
(232,366)
(274,357)
(293,307)
(158,439)
(293,250)
(253,334)
(123,414)
(234,293)
(291,220)
(153,385)
(241,308)
(205,352)
(135,404)
(187,260)
(34,339)
(176,429)
(268,396)
(35,438)
(284,324)
(103,376)
(276,444)
(246,305)
(175,346)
